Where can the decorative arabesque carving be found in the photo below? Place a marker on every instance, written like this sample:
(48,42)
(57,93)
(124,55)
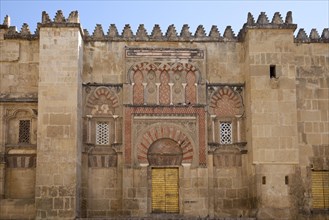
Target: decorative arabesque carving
(102,101)
(158,132)
(190,88)
(151,88)
(164,83)
(164,89)
(225,102)
(138,88)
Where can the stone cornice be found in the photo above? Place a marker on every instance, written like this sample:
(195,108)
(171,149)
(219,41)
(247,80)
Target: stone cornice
(20,100)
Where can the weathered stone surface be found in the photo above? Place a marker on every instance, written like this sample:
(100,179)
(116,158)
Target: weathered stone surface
(100,104)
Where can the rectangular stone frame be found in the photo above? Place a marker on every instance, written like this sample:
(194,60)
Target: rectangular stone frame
(201,124)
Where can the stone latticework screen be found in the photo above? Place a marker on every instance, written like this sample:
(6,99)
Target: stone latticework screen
(225,133)
(24,131)
(102,133)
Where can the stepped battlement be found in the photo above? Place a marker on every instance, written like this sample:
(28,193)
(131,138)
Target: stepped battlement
(171,34)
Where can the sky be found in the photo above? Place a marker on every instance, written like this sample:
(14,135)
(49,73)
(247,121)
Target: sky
(306,14)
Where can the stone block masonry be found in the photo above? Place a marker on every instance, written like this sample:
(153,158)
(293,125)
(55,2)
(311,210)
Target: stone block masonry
(164,125)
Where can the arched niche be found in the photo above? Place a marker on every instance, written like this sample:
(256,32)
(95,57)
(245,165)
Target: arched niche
(163,132)
(19,121)
(164,152)
(102,101)
(225,102)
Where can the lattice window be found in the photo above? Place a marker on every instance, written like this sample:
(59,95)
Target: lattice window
(102,133)
(320,189)
(225,132)
(24,134)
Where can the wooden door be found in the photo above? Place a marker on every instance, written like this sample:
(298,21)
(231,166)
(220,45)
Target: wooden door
(165,197)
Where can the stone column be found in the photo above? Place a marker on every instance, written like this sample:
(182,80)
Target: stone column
(131,93)
(59,120)
(115,128)
(171,85)
(89,117)
(213,134)
(238,129)
(184,92)
(196,93)
(145,93)
(158,92)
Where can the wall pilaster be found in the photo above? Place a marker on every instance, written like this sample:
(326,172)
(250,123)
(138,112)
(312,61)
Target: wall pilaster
(59,124)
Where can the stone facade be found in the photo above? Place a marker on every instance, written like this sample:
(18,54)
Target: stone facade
(164,125)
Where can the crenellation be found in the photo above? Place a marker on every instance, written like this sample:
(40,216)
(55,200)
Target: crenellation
(141,33)
(24,33)
(288,18)
(185,32)
(302,36)
(25,30)
(45,18)
(12,30)
(59,17)
(325,35)
(200,32)
(156,33)
(263,19)
(277,19)
(73,17)
(6,22)
(250,19)
(127,32)
(229,34)
(98,33)
(314,35)
(214,33)
(171,33)
(86,33)
(113,32)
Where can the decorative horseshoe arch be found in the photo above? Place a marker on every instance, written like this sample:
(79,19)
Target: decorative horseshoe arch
(157,132)
(102,101)
(13,114)
(145,67)
(225,102)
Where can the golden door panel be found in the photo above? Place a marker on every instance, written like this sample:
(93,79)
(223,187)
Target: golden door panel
(320,189)
(165,190)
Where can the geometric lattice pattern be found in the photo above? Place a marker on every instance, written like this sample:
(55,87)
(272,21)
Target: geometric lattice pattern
(24,131)
(225,132)
(102,133)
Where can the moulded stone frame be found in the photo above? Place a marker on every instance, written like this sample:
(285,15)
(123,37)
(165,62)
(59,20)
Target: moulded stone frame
(10,117)
(199,111)
(177,127)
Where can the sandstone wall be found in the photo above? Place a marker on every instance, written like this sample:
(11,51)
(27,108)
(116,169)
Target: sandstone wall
(312,82)
(59,123)
(272,88)
(19,63)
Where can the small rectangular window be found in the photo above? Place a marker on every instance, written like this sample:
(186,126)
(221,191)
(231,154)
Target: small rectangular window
(24,133)
(263,180)
(320,189)
(286,180)
(102,133)
(226,133)
(272,71)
